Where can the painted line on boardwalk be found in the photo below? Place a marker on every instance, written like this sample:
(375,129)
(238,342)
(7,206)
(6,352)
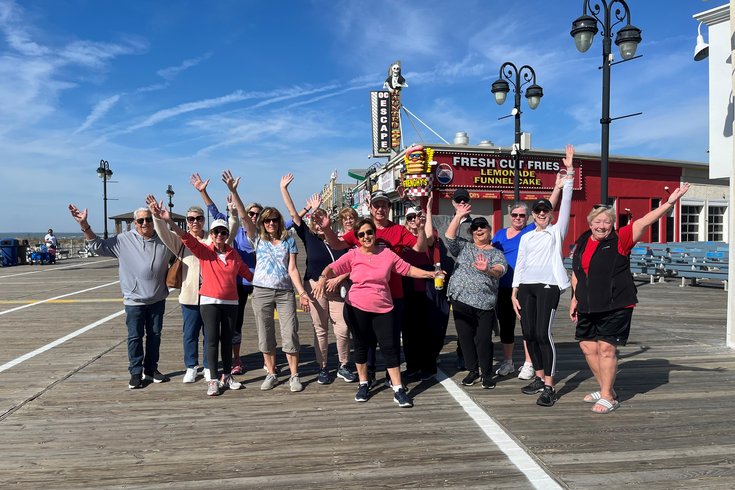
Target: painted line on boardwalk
(57,297)
(515,453)
(58,342)
(56,268)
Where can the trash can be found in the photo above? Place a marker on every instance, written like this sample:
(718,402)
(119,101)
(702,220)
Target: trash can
(9,251)
(23,253)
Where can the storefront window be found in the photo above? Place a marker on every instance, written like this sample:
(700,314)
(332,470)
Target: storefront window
(690,223)
(655,232)
(716,223)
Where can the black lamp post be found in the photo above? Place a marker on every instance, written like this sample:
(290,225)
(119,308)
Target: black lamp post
(104,173)
(627,39)
(518,77)
(170,193)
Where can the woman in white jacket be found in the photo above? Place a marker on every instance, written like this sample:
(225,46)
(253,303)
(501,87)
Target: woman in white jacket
(539,280)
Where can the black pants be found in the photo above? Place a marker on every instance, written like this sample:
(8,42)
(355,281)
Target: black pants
(370,329)
(242,299)
(438,318)
(538,307)
(418,338)
(475,331)
(506,315)
(219,322)
(397,322)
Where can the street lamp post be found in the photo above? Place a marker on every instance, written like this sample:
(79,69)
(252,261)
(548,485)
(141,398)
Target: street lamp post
(170,193)
(627,39)
(518,77)
(104,173)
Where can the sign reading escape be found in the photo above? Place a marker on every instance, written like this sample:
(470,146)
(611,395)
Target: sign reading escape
(381,112)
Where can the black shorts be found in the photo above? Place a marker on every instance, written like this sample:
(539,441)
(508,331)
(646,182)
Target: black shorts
(610,326)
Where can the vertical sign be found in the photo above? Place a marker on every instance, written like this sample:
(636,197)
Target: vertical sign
(380,106)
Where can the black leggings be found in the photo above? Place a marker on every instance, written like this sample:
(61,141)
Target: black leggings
(475,331)
(538,307)
(243,292)
(219,323)
(506,315)
(370,329)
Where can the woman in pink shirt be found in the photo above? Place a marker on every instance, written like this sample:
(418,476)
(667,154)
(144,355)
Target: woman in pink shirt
(220,265)
(369,306)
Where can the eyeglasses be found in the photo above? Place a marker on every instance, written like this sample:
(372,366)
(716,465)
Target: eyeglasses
(253,214)
(221,231)
(410,217)
(365,233)
(192,219)
(518,215)
(461,200)
(478,226)
(267,221)
(147,219)
(604,206)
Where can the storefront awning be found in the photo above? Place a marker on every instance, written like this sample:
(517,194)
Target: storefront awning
(357,173)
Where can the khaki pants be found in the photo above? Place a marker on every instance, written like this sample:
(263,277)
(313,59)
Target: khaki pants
(265,301)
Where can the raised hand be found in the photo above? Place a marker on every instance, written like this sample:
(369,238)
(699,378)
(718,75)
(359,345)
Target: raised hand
(153,206)
(198,183)
(429,202)
(79,216)
(678,193)
(163,210)
(568,157)
(314,201)
(480,262)
(463,209)
(230,181)
(286,180)
(231,205)
(325,222)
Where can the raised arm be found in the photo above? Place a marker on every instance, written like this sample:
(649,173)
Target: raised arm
(81,218)
(461,210)
(640,225)
(231,183)
(428,225)
(561,177)
(233,222)
(167,236)
(285,182)
(566,198)
(330,236)
(201,186)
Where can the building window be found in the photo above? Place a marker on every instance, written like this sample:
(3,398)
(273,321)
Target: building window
(655,228)
(716,223)
(690,223)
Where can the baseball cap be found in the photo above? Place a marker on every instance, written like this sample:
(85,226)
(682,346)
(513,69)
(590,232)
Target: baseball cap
(479,222)
(379,196)
(218,223)
(461,194)
(542,203)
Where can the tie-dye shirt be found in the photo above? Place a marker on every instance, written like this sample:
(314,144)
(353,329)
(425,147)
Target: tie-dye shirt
(271,269)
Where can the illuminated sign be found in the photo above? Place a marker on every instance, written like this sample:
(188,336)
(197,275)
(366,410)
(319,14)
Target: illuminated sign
(381,111)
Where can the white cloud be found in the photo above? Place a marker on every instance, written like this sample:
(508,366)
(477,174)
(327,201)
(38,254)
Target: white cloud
(171,72)
(98,111)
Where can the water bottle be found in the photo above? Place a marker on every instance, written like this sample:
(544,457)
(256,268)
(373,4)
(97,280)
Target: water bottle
(438,277)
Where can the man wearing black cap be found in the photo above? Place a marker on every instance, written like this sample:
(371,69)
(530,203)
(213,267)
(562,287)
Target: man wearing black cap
(388,235)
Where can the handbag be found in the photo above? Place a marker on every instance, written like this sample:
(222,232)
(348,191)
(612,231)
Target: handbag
(175,274)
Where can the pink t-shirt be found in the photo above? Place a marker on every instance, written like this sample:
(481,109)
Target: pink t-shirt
(370,274)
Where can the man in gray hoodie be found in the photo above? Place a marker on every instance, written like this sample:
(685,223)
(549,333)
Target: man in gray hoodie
(143,264)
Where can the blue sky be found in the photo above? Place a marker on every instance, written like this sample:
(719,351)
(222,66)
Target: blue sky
(162,89)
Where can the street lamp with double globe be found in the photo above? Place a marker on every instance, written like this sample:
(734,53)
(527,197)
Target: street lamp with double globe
(104,173)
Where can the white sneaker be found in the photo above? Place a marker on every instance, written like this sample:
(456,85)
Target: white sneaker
(526,372)
(230,383)
(295,383)
(207,375)
(270,382)
(191,374)
(506,367)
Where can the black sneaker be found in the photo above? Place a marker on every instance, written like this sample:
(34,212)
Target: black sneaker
(362,393)
(324,378)
(402,399)
(488,383)
(535,386)
(547,397)
(156,377)
(471,378)
(136,382)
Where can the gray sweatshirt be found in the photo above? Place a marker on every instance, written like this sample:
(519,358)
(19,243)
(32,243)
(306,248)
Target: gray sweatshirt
(143,266)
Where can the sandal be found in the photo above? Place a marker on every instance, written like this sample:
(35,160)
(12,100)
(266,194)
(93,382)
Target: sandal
(606,405)
(595,396)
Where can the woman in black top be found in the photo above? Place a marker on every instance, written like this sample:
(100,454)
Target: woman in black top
(331,305)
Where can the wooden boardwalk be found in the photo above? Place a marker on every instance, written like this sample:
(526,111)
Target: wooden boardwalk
(67,419)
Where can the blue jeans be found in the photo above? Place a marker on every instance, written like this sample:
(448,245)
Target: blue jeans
(144,320)
(192,327)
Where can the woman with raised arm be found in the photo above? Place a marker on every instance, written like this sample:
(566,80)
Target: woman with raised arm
(369,305)
(219,264)
(274,280)
(473,291)
(331,305)
(539,279)
(604,295)
(189,291)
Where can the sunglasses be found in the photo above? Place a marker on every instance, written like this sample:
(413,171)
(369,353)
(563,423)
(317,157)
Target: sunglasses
(603,206)
(410,217)
(461,200)
(480,226)
(147,219)
(192,219)
(518,215)
(221,231)
(365,233)
(542,210)
(253,214)
(267,221)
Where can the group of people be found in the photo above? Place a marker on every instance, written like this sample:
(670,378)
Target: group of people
(379,283)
